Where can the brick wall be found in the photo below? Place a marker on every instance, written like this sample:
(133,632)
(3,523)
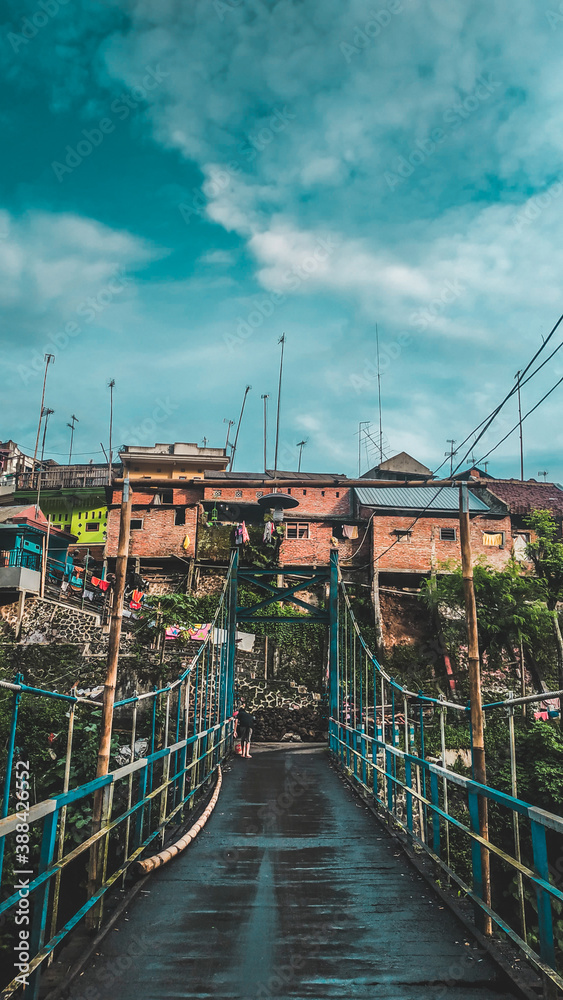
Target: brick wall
(332,502)
(160,536)
(425,548)
(315,550)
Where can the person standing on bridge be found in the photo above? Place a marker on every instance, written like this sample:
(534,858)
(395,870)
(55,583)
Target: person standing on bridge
(245,726)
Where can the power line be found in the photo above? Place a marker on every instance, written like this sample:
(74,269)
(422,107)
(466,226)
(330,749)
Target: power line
(487,422)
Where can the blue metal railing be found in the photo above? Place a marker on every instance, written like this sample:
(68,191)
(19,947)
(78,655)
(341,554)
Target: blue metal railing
(377,732)
(424,817)
(21,557)
(192,719)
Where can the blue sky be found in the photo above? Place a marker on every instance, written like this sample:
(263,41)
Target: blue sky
(181,183)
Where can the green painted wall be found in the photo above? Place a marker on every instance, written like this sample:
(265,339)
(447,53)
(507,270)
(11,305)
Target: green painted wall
(82,512)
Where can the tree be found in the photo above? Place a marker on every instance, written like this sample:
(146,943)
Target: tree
(510,609)
(546,553)
(162,611)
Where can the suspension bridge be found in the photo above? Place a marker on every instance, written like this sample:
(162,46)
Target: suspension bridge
(292,888)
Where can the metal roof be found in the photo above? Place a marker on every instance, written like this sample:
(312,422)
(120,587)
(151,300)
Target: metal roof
(442,498)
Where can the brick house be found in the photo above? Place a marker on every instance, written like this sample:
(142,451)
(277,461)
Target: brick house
(401,548)
(324,508)
(519,499)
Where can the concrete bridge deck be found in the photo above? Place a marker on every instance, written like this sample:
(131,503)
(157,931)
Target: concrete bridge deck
(292,890)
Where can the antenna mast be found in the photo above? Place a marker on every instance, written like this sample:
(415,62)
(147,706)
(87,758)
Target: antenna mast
(282,342)
(379,396)
(246,391)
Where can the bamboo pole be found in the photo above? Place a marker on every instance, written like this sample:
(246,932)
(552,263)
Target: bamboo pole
(110,685)
(476,706)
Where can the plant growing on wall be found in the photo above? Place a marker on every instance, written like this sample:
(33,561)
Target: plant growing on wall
(546,553)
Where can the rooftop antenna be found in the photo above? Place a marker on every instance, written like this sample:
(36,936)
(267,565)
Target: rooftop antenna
(517,376)
(48,359)
(282,342)
(265,397)
(46,412)
(204,442)
(300,445)
(74,420)
(246,391)
(379,396)
(361,430)
(544,474)
(111,385)
(450,454)
(229,425)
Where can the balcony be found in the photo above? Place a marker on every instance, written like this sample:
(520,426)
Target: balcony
(20,570)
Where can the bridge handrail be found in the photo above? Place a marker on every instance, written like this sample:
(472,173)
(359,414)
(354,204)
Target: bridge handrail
(344,741)
(209,750)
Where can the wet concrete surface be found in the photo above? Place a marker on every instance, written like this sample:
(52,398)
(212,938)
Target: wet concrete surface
(292,890)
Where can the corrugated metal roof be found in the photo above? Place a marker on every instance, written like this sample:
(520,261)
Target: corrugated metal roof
(416,498)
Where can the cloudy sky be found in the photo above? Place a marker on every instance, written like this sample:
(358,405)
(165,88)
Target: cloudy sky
(181,183)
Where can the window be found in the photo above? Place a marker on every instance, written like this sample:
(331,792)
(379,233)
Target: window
(180,515)
(337,493)
(167,496)
(238,493)
(525,536)
(447,534)
(304,493)
(136,523)
(92,526)
(402,536)
(322,493)
(494,538)
(260,493)
(296,530)
(216,493)
(181,477)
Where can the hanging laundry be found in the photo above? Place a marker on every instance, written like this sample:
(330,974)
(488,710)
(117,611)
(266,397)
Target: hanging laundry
(134,605)
(104,585)
(268,532)
(238,534)
(137,596)
(199,632)
(172,632)
(76,583)
(186,543)
(64,586)
(245,535)
(89,595)
(349,530)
